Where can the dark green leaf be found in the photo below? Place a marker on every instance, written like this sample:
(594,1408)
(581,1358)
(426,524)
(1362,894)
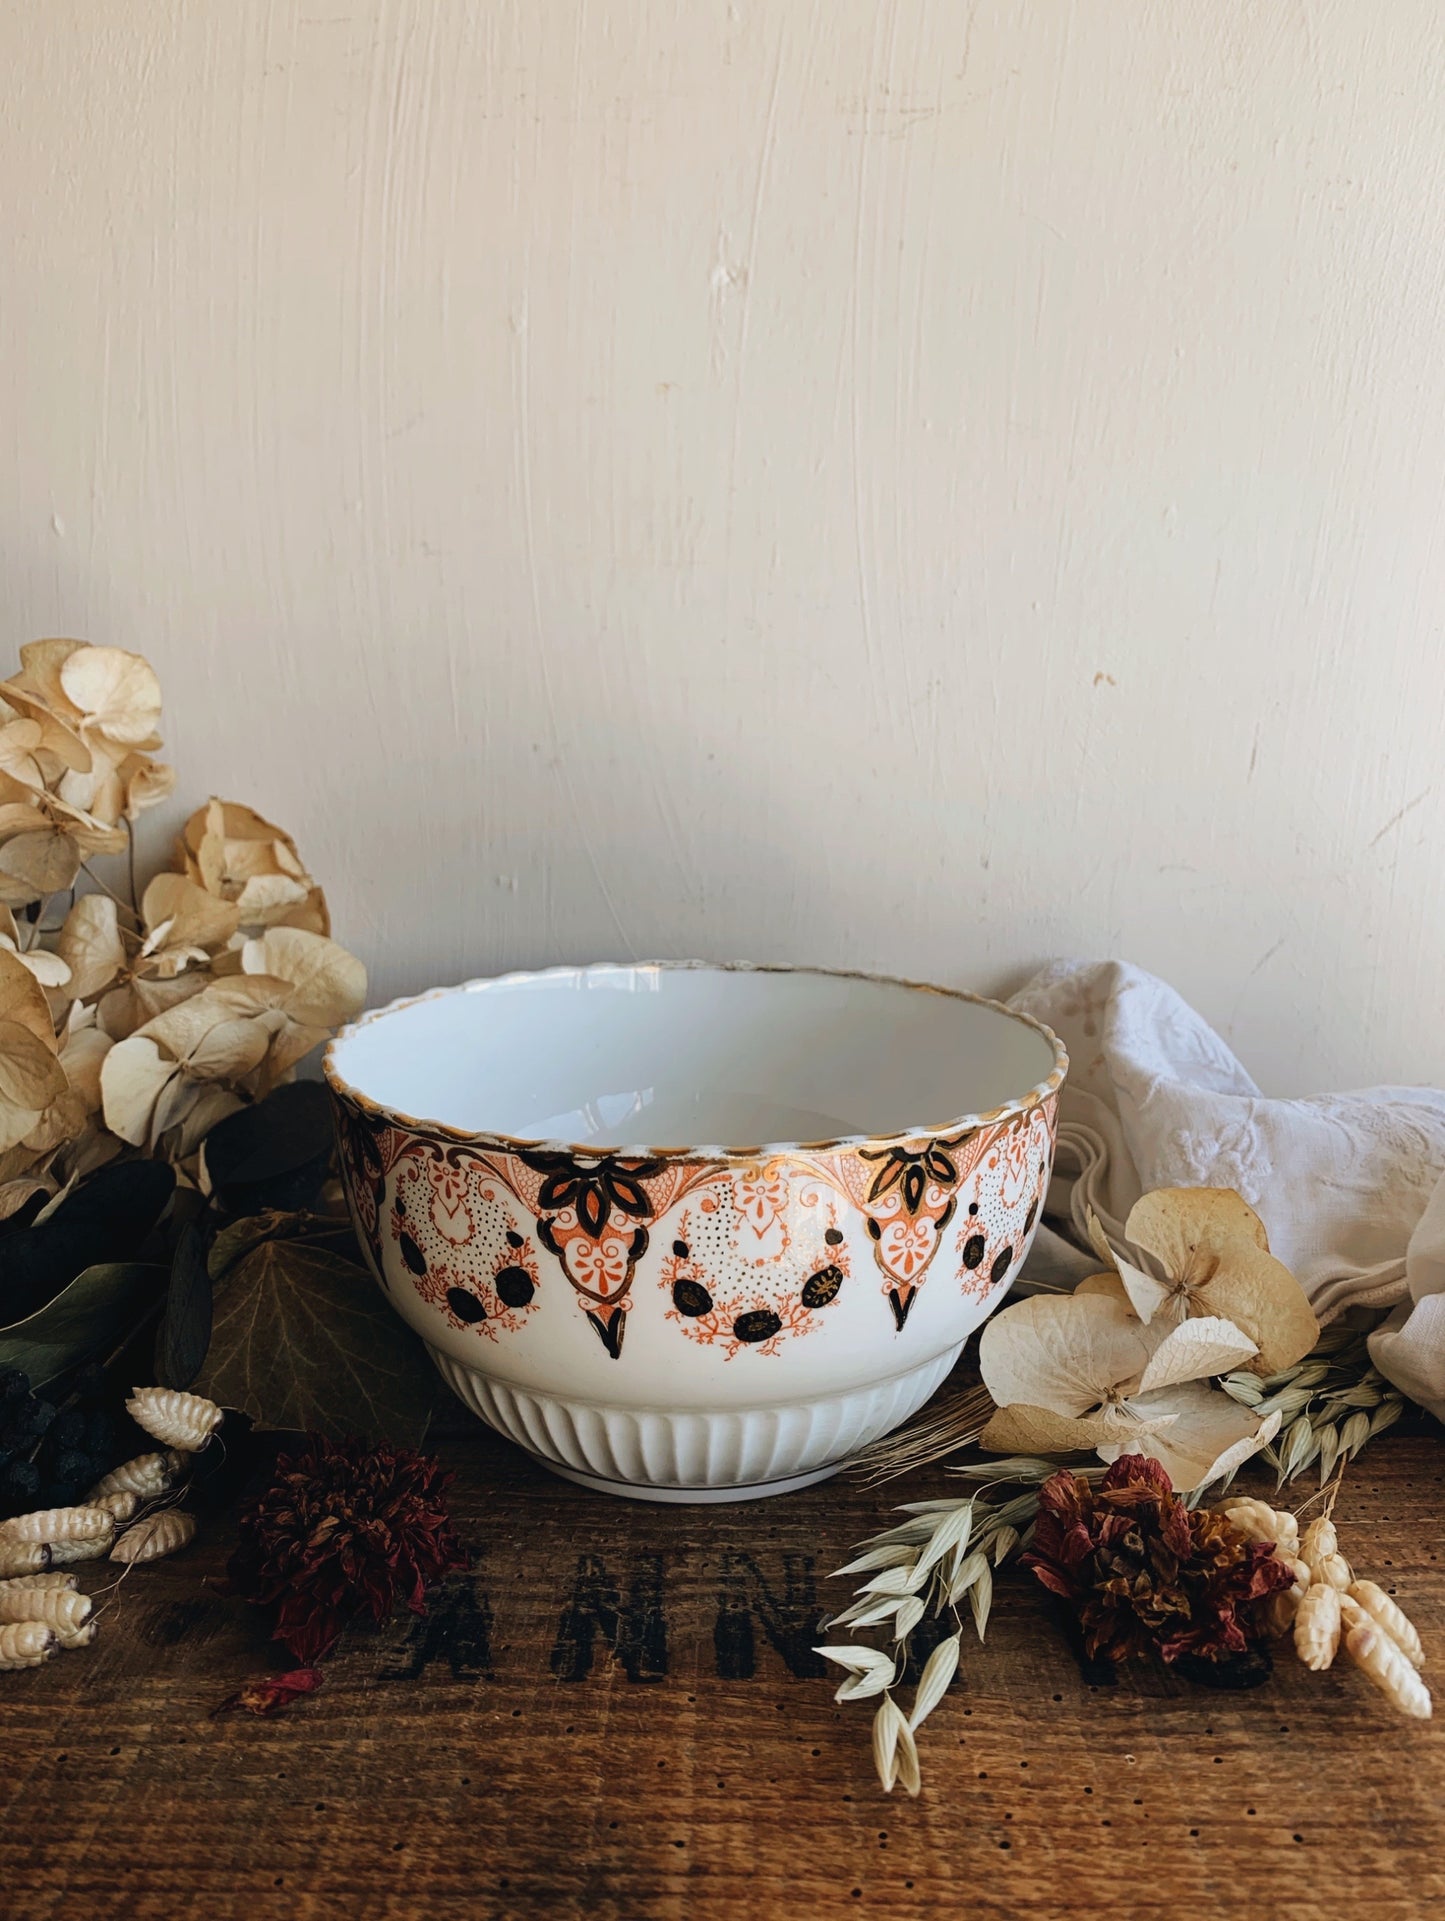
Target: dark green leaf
(85,1319)
(105,1221)
(274,1154)
(185,1330)
(303,1339)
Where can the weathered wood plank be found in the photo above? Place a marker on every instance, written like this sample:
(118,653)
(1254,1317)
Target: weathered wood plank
(617,1715)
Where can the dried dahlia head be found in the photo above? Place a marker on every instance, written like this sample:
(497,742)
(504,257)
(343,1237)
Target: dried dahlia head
(1144,1573)
(343,1530)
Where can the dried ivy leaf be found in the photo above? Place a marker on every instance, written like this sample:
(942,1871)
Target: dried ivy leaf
(184,1334)
(84,1320)
(241,1236)
(303,1339)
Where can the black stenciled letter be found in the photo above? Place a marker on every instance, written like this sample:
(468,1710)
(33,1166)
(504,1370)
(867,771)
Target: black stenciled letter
(790,1622)
(636,1632)
(457,1629)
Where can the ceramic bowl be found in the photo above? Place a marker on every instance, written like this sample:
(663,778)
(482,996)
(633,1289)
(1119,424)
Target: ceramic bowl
(699,1320)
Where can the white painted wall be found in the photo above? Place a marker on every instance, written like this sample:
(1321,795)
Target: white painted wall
(920,486)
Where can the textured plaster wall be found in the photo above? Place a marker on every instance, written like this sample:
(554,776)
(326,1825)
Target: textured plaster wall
(917,486)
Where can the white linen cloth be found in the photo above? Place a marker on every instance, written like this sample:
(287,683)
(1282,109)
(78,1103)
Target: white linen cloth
(1350,1187)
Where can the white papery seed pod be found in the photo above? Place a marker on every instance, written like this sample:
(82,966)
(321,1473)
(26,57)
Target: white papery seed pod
(55,1582)
(25,1644)
(93,1548)
(1375,1654)
(1318,1542)
(154,1537)
(58,1608)
(1258,1521)
(1389,1615)
(56,1524)
(23,1557)
(1335,1569)
(1317,1626)
(148,1476)
(186,1421)
(1283,1607)
(121,1506)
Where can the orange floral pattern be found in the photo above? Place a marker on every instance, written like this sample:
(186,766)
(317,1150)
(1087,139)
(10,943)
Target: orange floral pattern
(754,1258)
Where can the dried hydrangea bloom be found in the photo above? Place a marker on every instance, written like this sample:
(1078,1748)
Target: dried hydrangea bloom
(1212,1253)
(1080,1372)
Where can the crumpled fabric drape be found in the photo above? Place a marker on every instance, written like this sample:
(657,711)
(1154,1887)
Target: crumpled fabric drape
(1351,1187)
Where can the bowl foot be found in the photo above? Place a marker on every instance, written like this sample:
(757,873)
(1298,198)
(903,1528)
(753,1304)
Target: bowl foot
(682,1454)
(691,1496)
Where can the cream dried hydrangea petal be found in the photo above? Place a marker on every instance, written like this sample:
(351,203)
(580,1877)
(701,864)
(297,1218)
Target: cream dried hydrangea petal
(44,861)
(30,1074)
(61,1122)
(1108,1285)
(126,1009)
(266,899)
(19,743)
(1196,1350)
(90,944)
(49,969)
(1021,1429)
(1214,1247)
(1146,1295)
(1171,1222)
(133,1077)
(22,1000)
(146,783)
(228,1051)
(1065,1352)
(116,693)
(41,662)
(327,984)
(98,793)
(181,1028)
(1209,1437)
(188,915)
(82,1055)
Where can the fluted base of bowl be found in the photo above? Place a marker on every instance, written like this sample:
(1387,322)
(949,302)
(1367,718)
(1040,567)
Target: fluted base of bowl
(664,1454)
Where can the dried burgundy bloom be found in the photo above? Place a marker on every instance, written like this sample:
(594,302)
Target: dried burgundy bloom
(344,1530)
(1143,1572)
(269,1692)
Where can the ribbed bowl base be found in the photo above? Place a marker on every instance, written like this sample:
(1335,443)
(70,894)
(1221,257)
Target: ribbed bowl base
(662,1454)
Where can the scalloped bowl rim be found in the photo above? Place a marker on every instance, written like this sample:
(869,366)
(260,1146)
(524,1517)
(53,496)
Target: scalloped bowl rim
(346,1090)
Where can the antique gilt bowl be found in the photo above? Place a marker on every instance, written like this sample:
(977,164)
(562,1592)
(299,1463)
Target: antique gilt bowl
(692,1232)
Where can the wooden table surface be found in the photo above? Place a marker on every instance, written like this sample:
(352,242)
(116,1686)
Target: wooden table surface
(617,1714)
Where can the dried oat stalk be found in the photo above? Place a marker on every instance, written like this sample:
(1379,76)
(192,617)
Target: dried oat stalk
(1330,1405)
(926,1569)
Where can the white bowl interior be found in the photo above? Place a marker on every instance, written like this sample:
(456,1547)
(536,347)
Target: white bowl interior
(621,1056)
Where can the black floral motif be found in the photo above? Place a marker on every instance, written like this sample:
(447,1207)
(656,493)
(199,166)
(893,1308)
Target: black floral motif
(912,1170)
(593,1186)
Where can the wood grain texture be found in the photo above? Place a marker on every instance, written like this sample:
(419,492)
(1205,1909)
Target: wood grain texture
(525,1753)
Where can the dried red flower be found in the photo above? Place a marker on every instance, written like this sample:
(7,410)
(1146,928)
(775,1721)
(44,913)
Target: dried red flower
(1142,1571)
(344,1530)
(270,1692)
